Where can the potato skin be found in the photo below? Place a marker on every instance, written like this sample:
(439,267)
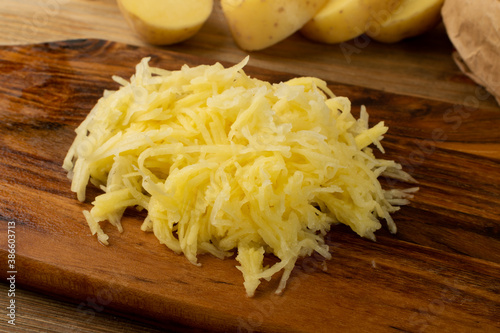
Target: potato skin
(257,24)
(413,18)
(342,20)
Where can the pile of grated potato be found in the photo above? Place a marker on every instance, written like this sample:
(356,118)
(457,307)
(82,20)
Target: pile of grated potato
(226,163)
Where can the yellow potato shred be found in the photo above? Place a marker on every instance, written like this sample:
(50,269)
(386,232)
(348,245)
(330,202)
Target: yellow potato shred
(231,165)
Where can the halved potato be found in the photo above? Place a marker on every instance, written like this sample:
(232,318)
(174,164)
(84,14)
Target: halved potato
(341,20)
(413,17)
(164,22)
(257,24)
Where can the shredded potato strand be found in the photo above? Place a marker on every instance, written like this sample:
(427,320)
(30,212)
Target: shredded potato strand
(224,164)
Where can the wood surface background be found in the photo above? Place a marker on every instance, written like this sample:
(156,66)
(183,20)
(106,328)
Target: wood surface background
(439,273)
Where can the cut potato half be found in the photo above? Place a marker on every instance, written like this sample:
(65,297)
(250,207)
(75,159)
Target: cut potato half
(257,24)
(164,22)
(342,20)
(413,18)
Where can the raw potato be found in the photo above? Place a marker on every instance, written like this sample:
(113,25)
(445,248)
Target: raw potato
(341,20)
(164,22)
(257,24)
(231,165)
(412,18)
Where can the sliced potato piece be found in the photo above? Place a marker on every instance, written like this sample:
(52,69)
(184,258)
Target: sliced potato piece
(341,20)
(257,24)
(164,22)
(412,18)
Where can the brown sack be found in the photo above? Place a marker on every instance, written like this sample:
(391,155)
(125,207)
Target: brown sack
(473,27)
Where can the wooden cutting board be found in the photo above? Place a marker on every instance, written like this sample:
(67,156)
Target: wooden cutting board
(441,272)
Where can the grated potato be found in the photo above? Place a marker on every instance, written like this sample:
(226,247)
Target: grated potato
(227,164)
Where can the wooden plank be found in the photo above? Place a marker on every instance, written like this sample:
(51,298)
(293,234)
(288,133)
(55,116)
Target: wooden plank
(440,272)
(37,313)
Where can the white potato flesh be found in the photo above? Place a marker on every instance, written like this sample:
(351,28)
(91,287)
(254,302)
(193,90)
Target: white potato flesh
(164,22)
(226,164)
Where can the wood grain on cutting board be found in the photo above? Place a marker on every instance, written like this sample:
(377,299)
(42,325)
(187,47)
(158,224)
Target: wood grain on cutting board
(440,271)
